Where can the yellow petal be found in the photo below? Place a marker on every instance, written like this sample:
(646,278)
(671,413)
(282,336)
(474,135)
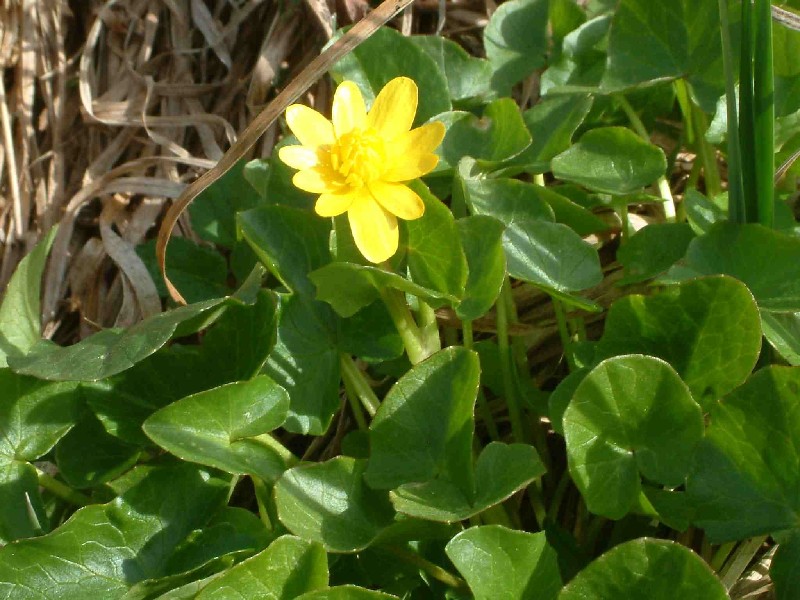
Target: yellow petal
(316,181)
(349,111)
(393,111)
(411,154)
(298,157)
(398,200)
(374,230)
(310,127)
(331,205)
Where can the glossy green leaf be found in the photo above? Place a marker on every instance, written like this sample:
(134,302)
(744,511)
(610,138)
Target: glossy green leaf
(508,200)
(284,571)
(89,456)
(20,310)
(345,592)
(551,256)
(435,257)
(646,569)
(767,261)
(34,415)
(561,396)
(388,54)
(784,568)
(289,241)
(213,213)
(647,43)
(104,549)
(110,351)
(19,496)
(701,212)
(329,503)
(515,40)
(226,427)
(630,415)
(613,160)
(500,471)
(305,362)
(744,476)
(653,249)
(468,77)
(782,330)
(497,135)
(481,237)
(199,272)
(708,329)
(423,428)
(503,564)
(551,124)
(349,287)
(583,57)
(576,217)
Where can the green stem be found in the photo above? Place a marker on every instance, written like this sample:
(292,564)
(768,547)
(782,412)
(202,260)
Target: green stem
(429,328)
(353,377)
(697,126)
(410,333)
(430,568)
(266,507)
(764,114)
(353,401)
(270,442)
(62,490)
(507,365)
(563,332)
(663,184)
(466,334)
(558,495)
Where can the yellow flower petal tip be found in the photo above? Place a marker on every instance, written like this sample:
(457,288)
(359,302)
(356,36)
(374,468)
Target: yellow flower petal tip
(359,161)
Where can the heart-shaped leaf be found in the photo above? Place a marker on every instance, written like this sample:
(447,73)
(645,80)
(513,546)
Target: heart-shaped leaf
(481,237)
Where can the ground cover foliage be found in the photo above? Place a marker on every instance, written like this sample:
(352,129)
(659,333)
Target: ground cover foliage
(578,377)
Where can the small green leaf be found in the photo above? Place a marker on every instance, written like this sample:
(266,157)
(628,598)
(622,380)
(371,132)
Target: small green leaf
(104,549)
(744,476)
(289,241)
(767,261)
(388,54)
(508,200)
(516,41)
(653,249)
(708,329)
(329,503)
(481,237)
(630,415)
(197,271)
(423,428)
(647,43)
(613,160)
(110,351)
(20,310)
(435,257)
(225,427)
(499,134)
(288,568)
(503,564)
(646,569)
(346,592)
(468,78)
(305,362)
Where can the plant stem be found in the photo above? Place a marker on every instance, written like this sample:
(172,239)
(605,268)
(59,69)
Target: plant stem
(353,377)
(561,320)
(406,325)
(430,568)
(273,444)
(663,184)
(697,126)
(62,490)
(507,365)
(466,334)
(353,401)
(764,114)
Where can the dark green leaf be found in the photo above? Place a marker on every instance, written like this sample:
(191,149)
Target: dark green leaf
(20,310)
(583,57)
(346,592)
(516,41)
(329,503)
(630,415)
(653,249)
(782,330)
(708,329)
(370,334)
(613,160)
(388,54)
(503,564)
(744,476)
(284,571)
(646,569)
(104,549)
(110,351)
(198,272)
(560,398)
(508,200)
(19,497)
(481,237)
(226,427)
(784,568)
(468,78)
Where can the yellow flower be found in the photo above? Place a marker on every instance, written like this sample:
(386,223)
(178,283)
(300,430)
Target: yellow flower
(359,161)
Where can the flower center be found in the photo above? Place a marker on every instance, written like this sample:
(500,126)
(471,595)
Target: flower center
(359,157)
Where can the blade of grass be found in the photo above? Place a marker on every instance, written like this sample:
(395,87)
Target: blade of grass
(764,112)
(735,200)
(747,132)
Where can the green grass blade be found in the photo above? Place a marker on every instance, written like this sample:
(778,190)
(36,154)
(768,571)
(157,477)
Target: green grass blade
(764,112)
(747,128)
(735,199)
